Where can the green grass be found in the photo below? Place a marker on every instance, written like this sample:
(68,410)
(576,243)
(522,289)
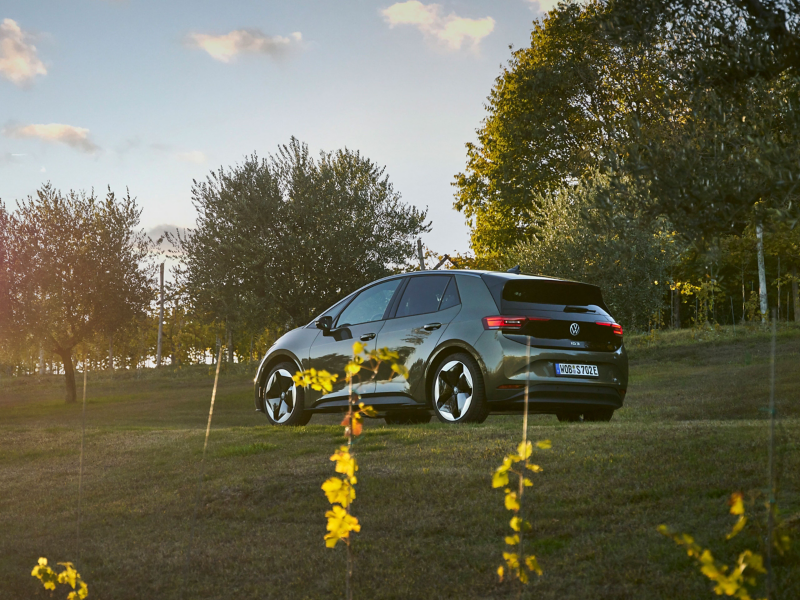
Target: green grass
(692,431)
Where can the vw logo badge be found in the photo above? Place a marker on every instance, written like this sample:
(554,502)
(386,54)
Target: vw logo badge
(574,329)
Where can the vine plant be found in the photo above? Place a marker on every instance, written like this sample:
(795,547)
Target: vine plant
(69,576)
(340,490)
(517,563)
(740,580)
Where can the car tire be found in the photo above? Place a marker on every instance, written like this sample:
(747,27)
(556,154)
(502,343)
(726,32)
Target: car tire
(452,404)
(407,418)
(282,400)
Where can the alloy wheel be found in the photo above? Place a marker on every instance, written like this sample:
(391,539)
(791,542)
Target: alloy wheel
(280,396)
(453,390)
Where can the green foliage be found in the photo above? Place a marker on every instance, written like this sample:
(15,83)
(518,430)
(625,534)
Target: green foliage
(574,238)
(276,239)
(68,576)
(553,114)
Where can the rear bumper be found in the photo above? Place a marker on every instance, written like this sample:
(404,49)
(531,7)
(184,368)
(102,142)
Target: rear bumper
(508,370)
(552,398)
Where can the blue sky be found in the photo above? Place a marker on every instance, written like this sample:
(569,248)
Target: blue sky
(151,94)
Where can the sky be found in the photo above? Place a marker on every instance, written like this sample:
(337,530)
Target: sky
(150,95)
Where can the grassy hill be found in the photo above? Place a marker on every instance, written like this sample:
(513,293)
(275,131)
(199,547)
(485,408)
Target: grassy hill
(693,430)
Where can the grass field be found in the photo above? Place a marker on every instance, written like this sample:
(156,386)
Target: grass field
(693,430)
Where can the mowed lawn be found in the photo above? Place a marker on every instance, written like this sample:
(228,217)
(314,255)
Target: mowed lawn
(693,430)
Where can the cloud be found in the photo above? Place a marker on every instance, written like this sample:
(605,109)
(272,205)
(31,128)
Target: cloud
(244,41)
(18,60)
(428,18)
(167,247)
(76,137)
(543,5)
(195,156)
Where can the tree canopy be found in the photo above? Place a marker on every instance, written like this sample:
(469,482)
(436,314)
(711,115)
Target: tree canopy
(73,266)
(280,239)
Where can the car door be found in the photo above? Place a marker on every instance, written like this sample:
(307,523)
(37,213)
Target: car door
(427,305)
(361,320)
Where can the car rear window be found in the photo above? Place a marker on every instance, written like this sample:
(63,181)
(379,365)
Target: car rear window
(552,292)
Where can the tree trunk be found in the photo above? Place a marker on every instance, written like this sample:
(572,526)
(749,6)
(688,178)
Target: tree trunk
(762,272)
(216,352)
(41,359)
(160,317)
(250,357)
(230,345)
(111,353)
(676,309)
(69,372)
(795,299)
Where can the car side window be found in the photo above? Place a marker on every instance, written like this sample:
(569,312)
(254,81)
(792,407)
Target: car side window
(423,294)
(369,305)
(451,297)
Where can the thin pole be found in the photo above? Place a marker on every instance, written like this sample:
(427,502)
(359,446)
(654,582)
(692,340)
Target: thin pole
(733,316)
(80,464)
(419,254)
(160,315)
(771,462)
(202,472)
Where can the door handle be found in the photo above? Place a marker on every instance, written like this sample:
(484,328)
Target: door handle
(367,337)
(431,326)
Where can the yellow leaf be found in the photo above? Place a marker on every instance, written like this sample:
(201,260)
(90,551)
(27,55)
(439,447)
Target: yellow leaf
(533,564)
(511,500)
(737,504)
(526,482)
(339,526)
(339,491)
(534,468)
(544,445)
(352,368)
(737,528)
(500,573)
(358,348)
(400,370)
(500,478)
(515,523)
(525,449)
(511,540)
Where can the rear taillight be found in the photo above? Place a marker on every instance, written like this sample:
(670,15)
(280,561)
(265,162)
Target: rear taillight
(513,323)
(615,327)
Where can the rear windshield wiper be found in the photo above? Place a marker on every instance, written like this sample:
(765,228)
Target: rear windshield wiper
(578,309)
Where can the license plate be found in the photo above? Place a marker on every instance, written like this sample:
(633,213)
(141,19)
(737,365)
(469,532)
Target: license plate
(577,370)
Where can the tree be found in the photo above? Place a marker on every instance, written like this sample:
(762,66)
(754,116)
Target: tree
(278,240)
(577,240)
(553,116)
(75,269)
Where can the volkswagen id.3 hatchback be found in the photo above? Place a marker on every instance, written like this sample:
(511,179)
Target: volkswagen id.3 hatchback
(463,335)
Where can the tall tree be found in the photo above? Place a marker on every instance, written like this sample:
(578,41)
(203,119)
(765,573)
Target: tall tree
(553,115)
(280,239)
(76,268)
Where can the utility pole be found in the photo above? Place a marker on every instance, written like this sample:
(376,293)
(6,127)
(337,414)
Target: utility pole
(421,257)
(160,315)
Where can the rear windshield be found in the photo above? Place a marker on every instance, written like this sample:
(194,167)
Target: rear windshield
(553,292)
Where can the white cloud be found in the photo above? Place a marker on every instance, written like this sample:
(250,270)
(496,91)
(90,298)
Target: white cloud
(544,5)
(195,156)
(18,60)
(244,41)
(428,18)
(76,137)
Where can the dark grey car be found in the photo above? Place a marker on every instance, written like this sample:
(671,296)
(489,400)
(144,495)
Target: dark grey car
(463,337)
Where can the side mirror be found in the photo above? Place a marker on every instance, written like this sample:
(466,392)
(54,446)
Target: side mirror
(325,324)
